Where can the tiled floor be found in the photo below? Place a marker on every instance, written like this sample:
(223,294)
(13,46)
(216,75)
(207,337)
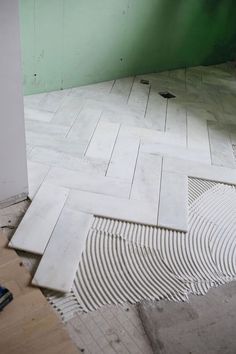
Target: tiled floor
(120,150)
(107,138)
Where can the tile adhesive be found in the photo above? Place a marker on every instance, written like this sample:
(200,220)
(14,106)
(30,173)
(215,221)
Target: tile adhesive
(127,262)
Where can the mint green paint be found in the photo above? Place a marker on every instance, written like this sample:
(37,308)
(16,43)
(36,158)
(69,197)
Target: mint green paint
(69,43)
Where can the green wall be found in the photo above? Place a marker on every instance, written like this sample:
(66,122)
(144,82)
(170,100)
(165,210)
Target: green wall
(69,43)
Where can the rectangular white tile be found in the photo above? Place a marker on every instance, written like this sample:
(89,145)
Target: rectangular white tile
(197,132)
(177,152)
(36,227)
(83,128)
(52,157)
(117,208)
(69,111)
(122,88)
(173,208)
(45,128)
(139,96)
(176,119)
(89,182)
(103,141)
(146,182)
(101,88)
(156,110)
(221,146)
(198,170)
(36,175)
(35,114)
(124,156)
(52,101)
(75,147)
(60,261)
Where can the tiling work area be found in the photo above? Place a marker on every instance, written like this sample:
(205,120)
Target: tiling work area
(118,177)
(138,203)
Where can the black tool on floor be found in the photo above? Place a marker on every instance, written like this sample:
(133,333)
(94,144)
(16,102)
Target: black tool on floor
(5,297)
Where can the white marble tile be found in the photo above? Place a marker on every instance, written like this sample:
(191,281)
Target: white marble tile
(75,147)
(45,128)
(197,133)
(103,88)
(139,96)
(147,177)
(34,114)
(59,263)
(89,182)
(36,175)
(103,141)
(69,111)
(124,156)
(33,101)
(173,207)
(176,119)
(51,157)
(199,170)
(122,88)
(221,146)
(156,110)
(110,207)
(52,101)
(36,227)
(176,152)
(123,118)
(85,125)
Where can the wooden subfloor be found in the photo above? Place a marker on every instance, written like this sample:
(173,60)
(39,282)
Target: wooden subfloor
(27,324)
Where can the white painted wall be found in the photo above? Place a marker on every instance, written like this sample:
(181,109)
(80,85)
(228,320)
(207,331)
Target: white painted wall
(13,168)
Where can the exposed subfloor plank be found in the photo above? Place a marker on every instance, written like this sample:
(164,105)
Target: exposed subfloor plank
(28,324)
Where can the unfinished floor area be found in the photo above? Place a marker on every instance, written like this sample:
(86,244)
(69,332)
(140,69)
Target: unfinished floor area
(133,194)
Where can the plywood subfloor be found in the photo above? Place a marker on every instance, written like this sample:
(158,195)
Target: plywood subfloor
(28,324)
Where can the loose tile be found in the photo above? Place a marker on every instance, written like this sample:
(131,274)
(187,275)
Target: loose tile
(36,227)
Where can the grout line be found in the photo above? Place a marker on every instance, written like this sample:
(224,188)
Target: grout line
(113,149)
(209,142)
(167,105)
(112,86)
(131,89)
(136,162)
(74,121)
(89,142)
(186,128)
(160,186)
(149,92)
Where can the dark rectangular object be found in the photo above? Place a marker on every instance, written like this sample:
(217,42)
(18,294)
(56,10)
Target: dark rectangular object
(5,297)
